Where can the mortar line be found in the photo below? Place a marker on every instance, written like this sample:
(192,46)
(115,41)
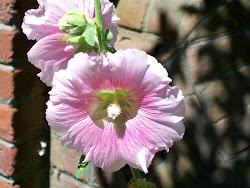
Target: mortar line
(4,27)
(8,180)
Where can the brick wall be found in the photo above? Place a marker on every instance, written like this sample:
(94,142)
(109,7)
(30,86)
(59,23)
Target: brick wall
(22,105)
(204,44)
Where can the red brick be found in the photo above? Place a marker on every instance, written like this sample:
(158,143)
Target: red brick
(16,124)
(6,185)
(7,160)
(131,13)
(179,73)
(165,16)
(189,19)
(192,104)
(20,83)
(210,94)
(7,85)
(63,158)
(6,47)
(230,16)
(216,57)
(12,47)
(6,121)
(27,83)
(233,142)
(129,39)
(6,10)
(27,158)
(29,118)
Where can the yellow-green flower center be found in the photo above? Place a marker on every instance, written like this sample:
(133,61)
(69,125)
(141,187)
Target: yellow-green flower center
(112,105)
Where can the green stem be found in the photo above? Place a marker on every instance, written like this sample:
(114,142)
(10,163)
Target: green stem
(98,14)
(136,173)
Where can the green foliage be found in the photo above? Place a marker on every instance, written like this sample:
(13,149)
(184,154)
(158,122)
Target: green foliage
(82,167)
(108,35)
(140,183)
(91,35)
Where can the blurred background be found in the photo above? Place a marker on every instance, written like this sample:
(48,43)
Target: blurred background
(205,47)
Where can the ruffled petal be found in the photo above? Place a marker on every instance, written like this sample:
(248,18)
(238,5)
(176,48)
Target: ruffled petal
(144,137)
(42,22)
(95,139)
(50,56)
(167,107)
(110,145)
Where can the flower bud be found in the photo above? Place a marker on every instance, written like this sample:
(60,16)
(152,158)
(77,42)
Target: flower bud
(73,23)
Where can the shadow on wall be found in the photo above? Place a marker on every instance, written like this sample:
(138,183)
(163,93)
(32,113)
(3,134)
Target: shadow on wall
(215,151)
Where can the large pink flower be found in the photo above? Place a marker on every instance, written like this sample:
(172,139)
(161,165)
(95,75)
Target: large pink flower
(116,109)
(49,54)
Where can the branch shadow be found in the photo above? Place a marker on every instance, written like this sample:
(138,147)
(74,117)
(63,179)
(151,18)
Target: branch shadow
(215,150)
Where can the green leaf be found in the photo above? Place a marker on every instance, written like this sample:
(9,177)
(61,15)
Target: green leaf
(72,39)
(82,167)
(108,35)
(140,183)
(111,49)
(90,35)
(84,47)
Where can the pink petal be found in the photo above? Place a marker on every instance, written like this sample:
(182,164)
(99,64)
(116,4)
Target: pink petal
(50,55)
(167,108)
(94,139)
(42,22)
(154,126)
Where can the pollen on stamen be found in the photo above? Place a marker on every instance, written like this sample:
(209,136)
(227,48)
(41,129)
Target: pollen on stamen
(114,110)
(83,15)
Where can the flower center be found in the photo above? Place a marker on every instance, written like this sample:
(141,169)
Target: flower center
(114,110)
(114,105)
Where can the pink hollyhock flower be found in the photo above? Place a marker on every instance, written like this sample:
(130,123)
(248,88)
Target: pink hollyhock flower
(116,109)
(49,54)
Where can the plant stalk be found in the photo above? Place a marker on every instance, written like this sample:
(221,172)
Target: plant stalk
(99,23)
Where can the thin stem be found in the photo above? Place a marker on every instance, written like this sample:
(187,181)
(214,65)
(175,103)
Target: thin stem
(136,173)
(98,14)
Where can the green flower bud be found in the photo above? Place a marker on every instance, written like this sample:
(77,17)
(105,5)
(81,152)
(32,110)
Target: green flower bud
(73,23)
(108,35)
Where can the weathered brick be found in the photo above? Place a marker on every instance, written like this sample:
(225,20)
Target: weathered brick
(209,95)
(131,13)
(20,84)
(12,47)
(27,84)
(165,16)
(3,184)
(7,10)
(233,133)
(191,15)
(231,15)
(37,178)
(192,106)
(163,172)
(215,57)
(227,96)
(129,39)
(7,160)
(63,158)
(6,47)
(179,73)
(58,180)
(6,121)
(7,85)
(16,124)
